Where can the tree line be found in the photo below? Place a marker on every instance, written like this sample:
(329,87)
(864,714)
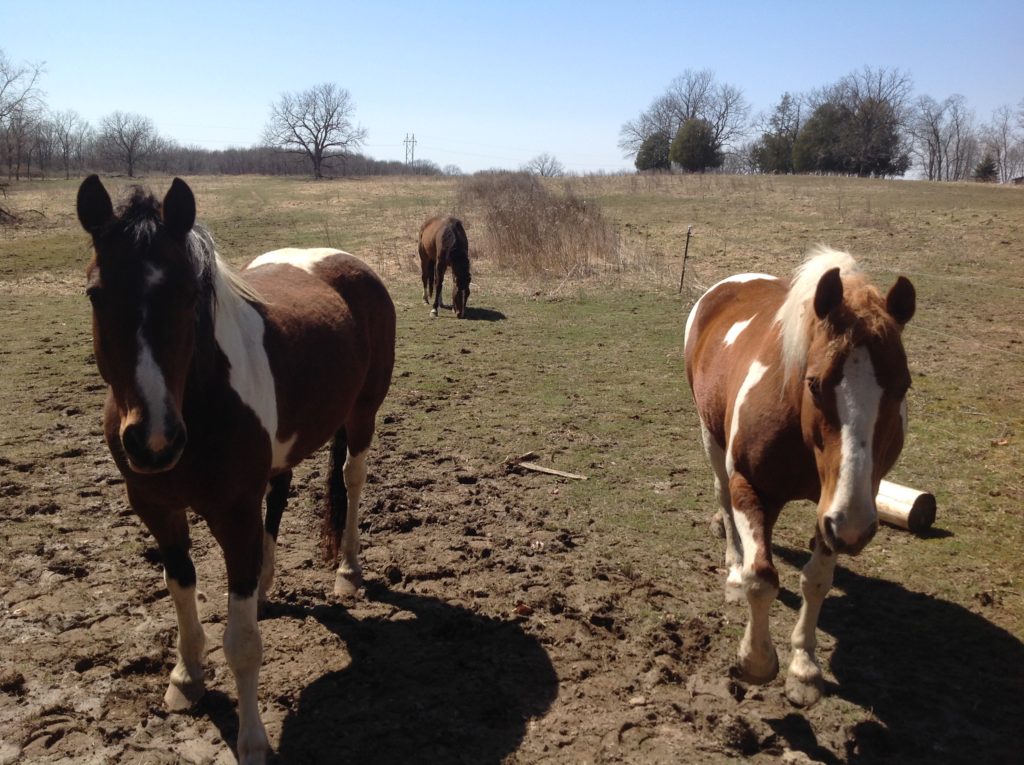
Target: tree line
(311,131)
(868,123)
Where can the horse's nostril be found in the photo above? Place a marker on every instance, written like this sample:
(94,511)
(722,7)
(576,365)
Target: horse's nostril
(829,525)
(134,441)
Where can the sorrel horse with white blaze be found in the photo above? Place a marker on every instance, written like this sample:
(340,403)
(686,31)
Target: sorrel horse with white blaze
(801,391)
(219,384)
(443,243)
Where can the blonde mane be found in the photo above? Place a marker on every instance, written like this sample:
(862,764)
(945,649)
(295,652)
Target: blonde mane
(795,315)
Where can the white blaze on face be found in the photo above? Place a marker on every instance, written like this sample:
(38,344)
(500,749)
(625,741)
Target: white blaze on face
(294,256)
(149,377)
(858,397)
(152,387)
(239,332)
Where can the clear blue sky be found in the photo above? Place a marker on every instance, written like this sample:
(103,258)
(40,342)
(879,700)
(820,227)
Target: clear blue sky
(487,84)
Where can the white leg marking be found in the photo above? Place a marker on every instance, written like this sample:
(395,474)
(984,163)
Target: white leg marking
(153,389)
(758,661)
(267,571)
(187,681)
(244,651)
(735,330)
(349,576)
(804,681)
(858,396)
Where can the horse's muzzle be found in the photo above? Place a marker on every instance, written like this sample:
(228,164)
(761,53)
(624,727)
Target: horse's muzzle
(838,544)
(143,459)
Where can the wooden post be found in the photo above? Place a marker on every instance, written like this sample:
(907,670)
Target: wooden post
(686,249)
(905,507)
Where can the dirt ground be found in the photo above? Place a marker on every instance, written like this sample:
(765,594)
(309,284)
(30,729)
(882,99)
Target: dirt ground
(490,631)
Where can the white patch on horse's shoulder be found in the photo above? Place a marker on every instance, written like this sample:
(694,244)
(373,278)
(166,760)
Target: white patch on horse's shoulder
(740,278)
(239,332)
(754,375)
(304,258)
(735,330)
(736,278)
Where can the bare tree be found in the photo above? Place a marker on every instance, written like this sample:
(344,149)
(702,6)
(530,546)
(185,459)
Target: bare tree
(545,165)
(1003,143)
(691,95)
(69,130)
(960,139)
(20,101)
(128,140)
(927,127)
(316,123)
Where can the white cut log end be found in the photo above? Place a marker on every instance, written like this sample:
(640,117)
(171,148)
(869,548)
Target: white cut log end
(905,507)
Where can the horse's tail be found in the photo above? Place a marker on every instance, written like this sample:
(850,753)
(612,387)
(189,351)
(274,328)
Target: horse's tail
(336,508)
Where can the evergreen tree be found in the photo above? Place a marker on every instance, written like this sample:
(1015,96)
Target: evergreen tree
(653,153)
(987,171)
(694,147)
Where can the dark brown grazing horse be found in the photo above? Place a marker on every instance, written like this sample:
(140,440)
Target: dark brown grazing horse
(442,243)
(801,391)
(219,384)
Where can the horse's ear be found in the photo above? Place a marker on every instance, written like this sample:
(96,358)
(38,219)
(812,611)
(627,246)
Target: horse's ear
(93,204)
(901,301)
(179,208)
(829,294)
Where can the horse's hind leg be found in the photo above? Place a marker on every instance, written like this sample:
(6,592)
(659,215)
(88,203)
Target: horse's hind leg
(277,500)
(345,480)
(722,522)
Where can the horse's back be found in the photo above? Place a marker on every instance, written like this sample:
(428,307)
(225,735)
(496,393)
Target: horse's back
(730,328)
(330,327)
(440,235)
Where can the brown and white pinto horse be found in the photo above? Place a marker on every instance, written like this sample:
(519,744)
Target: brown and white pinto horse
(219,384)
(443,242)
(801,391)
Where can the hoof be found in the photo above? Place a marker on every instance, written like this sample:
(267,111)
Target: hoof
(178,698)
(253,746)
(804,693)
(804,681)
(433,312)
(346,585)
(758,672)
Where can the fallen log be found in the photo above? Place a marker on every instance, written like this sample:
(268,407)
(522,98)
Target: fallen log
(904,507)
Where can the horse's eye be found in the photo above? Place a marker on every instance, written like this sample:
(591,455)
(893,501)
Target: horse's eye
(814,386)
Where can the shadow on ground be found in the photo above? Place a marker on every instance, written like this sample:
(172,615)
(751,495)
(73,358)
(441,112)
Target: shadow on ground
(946,684)
(430,682)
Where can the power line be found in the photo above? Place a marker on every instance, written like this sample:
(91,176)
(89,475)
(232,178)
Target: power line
(410,148)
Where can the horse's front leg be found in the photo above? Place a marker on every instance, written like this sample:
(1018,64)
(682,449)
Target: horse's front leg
(804,681)
(758,579)
(438,283)
(240,534)
(170,529)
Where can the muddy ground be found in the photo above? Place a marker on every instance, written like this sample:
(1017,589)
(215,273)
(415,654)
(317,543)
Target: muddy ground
(493,628)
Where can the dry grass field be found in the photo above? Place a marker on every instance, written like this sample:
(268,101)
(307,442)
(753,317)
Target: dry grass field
(512,616)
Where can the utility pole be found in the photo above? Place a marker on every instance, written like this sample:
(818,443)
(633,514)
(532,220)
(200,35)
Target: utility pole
(410,148)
